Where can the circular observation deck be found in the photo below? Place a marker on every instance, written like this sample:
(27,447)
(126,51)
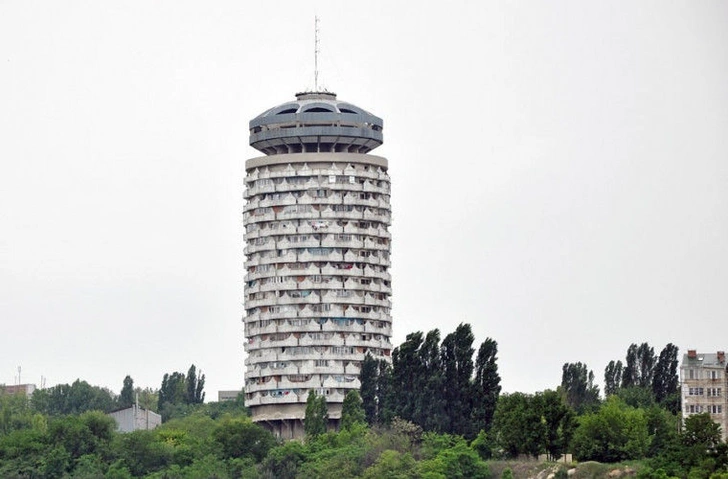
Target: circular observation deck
(315,122)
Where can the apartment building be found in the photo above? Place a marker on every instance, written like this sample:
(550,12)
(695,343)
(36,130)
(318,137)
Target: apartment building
(704,387)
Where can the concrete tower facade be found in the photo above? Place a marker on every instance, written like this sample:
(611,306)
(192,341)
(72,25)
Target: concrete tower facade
(317,288)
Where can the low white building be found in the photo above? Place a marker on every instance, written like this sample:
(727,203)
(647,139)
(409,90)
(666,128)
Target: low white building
(228,395)
(135,418)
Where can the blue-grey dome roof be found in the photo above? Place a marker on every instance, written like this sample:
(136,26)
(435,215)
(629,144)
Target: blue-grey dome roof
(315,121)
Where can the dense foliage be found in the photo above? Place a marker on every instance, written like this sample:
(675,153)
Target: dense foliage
(434,384)
(432,413)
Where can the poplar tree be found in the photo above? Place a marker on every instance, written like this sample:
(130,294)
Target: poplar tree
(665,381)
(578,388)
(430,403)
(612,377)
(486,387)
(352,411)
(457,361)
(317,415)
(126,398)
(406,369)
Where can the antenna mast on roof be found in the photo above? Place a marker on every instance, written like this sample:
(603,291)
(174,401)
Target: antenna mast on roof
(316,52)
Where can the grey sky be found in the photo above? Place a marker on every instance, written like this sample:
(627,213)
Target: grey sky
(559,169)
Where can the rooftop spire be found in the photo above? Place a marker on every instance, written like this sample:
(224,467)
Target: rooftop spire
(316,52)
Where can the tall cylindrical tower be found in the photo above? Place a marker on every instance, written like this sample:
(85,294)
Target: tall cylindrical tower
(317,288)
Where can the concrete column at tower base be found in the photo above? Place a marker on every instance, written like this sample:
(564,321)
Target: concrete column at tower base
(285,421)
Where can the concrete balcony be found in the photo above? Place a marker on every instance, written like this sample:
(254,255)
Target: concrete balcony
(330,270)
(290,398)
(372,188)
(276,286)
(342,243)
(297,215)
(253,331)
(370,301)
(331,338)
(289,257)
(335,215)
(372,244)
(307,185)
(262,356)
(356,199)
(314,382)
(370,272)
(371,343)
(332,255)
(307,271)
(257,190)
(281,343)
(252,235)
(270,216)
(256,303)
(285,200)
(309,312)
(307,243)
(253,388)
(332,199)
(338,327)
(293,313)
(256,248)
(370,215)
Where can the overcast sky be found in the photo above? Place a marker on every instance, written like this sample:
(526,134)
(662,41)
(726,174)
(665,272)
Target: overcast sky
(559,175)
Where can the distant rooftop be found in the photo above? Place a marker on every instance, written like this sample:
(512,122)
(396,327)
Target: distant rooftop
(692,357)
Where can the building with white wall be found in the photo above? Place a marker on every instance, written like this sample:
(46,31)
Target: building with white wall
(317,288)
(135,418)
(704,386)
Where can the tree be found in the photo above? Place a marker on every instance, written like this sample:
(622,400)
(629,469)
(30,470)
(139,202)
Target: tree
(75,398)
(194,387)
(486,387)
(406,370)
(240,437)
(616,432)
(368,378)
(172,390)
(430,402)
(179,390)
(665,381)
(376,385)
(517,426)
(612,377)
(126,398)
(457,363)
(352,411)
(639,368)
(700,439)
(558,420)
(577,385)
(317,415)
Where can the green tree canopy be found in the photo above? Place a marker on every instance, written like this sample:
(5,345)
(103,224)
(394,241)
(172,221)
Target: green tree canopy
(577,385)
(352,411)
(486,387)
(316,419)
(126,398)
(616,432)
(75,398)
(612,377)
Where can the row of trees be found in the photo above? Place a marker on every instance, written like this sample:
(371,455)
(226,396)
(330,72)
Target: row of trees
(177,392)
(434,384)
(642,380)
(655,375)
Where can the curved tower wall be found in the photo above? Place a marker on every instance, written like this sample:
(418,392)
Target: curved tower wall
(317,284)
